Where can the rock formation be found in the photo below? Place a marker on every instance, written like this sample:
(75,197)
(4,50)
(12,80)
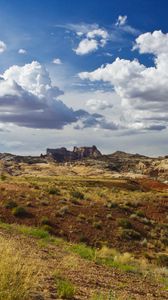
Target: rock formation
(78,153)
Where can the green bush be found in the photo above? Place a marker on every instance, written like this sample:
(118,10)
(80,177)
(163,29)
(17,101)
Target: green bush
(45,221)
(48,228)
(77,194)
(162,260)
(10,204)
(129,234)
(97,224)
(54,191)
(140,213)
(124,223)
(20,212)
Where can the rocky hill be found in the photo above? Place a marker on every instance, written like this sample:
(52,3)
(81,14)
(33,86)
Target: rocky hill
(88,160)
(62,154)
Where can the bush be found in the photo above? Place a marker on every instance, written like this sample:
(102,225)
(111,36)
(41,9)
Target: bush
(162,260)
(20,212)
(18,274)
(111,204)
(63,211)
(45,221)
(77,194)
(129,234)
(48,228)
(10,204)
(124,223)
(54,191)
(97,224)
(140,213)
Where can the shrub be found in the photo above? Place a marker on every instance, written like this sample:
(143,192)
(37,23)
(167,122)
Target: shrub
(124,223)
(65,289)
(162,260)
(129,234)
(140,213)
(45,221)
(48,228)
(20,212)
(97,224)
(81,217)
(18,274)
(54,191)
(77,194)
(111,204)
(10,204)
(3,177)
(63,210)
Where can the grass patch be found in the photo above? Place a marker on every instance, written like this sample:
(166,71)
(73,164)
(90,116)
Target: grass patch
(83,251)
(18,274)
(65,288)
(102,296)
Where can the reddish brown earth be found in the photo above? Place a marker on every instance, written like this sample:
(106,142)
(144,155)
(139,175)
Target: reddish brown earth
(90,221)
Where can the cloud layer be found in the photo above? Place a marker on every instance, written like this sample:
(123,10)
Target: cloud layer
(143,90)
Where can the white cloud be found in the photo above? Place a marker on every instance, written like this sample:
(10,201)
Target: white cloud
(22,51)
(121,20)
(3,47)
(29,99)
(97,32)
(81,28)
(86,46)
(57,61)
(98,104)
(122,25)
(143,90)
(92,38)
(156,43)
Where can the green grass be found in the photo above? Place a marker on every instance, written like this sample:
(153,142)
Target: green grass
(102,296)
(65,288)
(83,251)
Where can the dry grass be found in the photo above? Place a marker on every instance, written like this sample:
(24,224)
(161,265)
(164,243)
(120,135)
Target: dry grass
(19,275)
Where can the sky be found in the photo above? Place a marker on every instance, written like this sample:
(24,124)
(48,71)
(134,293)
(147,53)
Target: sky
(83,73)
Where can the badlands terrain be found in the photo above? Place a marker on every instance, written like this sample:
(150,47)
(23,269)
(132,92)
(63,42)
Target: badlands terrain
(82,225)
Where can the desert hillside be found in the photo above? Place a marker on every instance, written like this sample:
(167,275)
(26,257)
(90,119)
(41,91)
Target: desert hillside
(91,225)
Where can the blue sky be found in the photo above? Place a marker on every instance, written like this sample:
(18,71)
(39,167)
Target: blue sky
(62,84)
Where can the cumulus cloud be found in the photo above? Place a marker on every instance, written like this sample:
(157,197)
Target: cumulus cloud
(28,99)
(57,61)
(86,46)
(91,40)
(97,104)
(143,90)
(22,51)
(3,47)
